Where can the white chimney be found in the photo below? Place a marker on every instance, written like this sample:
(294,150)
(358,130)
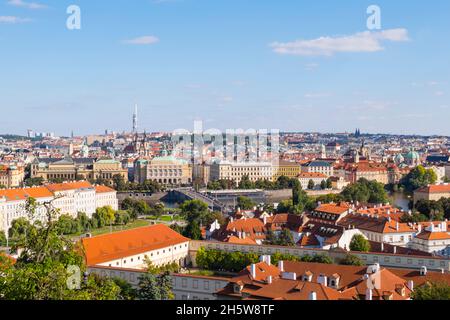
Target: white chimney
(382,247)
(369,294)
(423,271)
(313,296)
(281,265)
(395,250)
(289,276)
(253,270)
(322,279)
(397,226)
(265,219)
(410,285)
(269,279)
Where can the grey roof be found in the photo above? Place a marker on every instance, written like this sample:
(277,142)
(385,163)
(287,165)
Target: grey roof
(66,160)
(319,164)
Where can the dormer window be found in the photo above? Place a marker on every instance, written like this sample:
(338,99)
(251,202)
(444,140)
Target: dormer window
(237,288)
(307,277)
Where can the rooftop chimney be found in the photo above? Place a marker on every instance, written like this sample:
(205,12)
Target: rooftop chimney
(410,285)
(253,270)
(313,296)
(369,294)
(423,271)
(269,279)
(289,276)
(281,265)
(322,279)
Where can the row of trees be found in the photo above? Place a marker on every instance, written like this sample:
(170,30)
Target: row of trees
(282,182)
(197,214)
(217,260)
(142,208)
(67,225)
(117,182)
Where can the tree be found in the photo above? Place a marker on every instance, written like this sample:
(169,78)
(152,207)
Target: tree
(418,177)
(119,182)
(42,268)
(299,196)
(323,185)
(285,238)
(246,184)
(365,191)
(352,260)
(359,243)
(311,185)
(19,227)
(433,210)
(127,292)
(33,182)
(321,258)
(193,231)
(195,210)
(329,183)
(432,291)
(152,287)
(148,287)
(2,239)
(245,203)
(105,216)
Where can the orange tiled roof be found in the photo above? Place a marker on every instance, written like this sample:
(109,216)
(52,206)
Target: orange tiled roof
(117,245)
(427,235)
(103,189)
(69,186)
(236,240)
(443,188)
(23,194)
(333,208)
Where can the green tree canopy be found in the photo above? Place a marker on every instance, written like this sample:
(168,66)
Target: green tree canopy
(365,191)
(245,203)
(359,243)
(432,291)
(418,177)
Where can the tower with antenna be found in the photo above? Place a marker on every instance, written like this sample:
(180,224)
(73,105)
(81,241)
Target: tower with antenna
(135,119)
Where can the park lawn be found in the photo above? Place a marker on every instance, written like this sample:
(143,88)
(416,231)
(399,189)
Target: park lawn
(107,229)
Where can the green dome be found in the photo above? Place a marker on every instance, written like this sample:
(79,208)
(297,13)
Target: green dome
(413,155)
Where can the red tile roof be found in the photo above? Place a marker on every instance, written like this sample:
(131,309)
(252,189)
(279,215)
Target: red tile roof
(443,188)
(117,245)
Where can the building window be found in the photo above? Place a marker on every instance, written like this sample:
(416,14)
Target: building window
(195,284)
(184,283)
(206,285)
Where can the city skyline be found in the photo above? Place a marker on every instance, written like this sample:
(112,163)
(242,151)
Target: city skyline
(296,67)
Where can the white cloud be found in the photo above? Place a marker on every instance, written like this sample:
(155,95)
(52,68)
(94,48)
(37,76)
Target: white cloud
(13,19)
(317,95)
(144,40)
(28,5)
(439,93)
(327,46)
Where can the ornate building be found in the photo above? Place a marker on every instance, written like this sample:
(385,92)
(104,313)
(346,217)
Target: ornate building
(77,169)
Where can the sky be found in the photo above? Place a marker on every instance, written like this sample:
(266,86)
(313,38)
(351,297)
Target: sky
(262,64)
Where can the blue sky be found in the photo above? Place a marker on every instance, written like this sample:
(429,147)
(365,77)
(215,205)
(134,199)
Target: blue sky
(288,65)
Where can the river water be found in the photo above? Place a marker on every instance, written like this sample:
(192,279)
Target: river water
(401,200)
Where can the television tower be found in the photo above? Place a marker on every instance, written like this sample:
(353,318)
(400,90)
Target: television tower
(135,119)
